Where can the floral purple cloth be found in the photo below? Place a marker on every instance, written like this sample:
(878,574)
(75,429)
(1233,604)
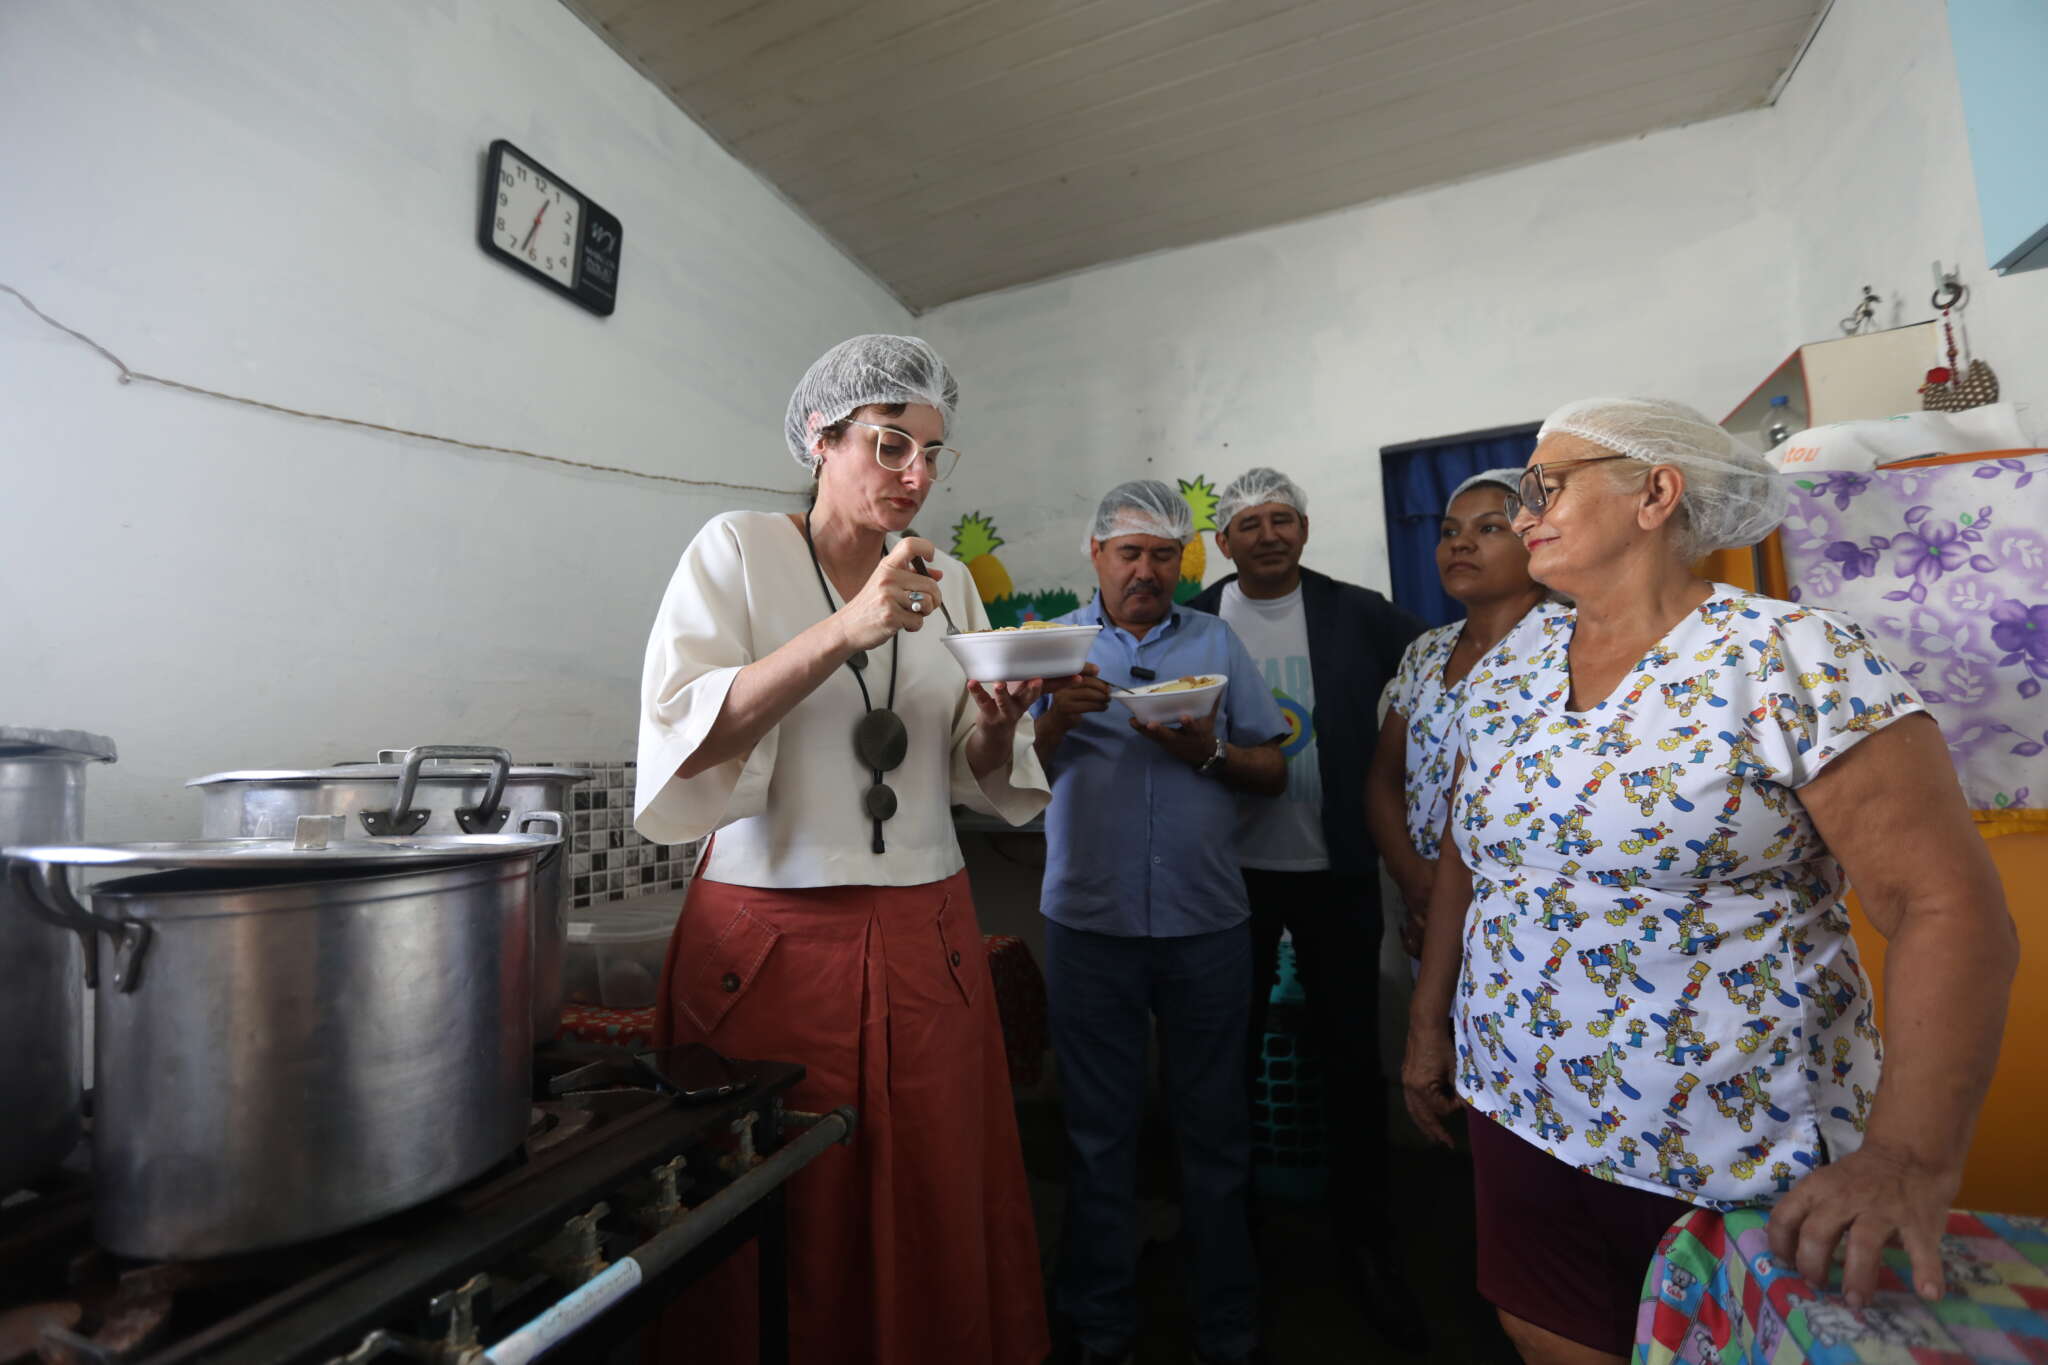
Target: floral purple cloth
(1947,567)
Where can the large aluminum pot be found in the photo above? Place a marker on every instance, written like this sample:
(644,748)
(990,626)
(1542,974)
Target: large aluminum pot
(431,789)
(291,1042)
(42,794)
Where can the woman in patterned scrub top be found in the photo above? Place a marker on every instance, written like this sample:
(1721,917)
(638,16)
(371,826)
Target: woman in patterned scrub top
(1483,565)
(1653,1000)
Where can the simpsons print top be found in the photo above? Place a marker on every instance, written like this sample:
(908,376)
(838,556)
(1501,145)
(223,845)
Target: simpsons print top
(1659,984)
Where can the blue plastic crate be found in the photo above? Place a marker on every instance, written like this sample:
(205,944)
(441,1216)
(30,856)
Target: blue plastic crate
(1290,1134)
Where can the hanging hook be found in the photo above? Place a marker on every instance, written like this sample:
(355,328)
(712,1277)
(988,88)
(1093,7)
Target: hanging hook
(1949,283)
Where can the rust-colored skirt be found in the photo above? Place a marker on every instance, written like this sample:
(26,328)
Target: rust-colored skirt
(915,1244)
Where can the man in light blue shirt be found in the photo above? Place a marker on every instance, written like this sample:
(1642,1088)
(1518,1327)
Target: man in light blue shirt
(1148,919)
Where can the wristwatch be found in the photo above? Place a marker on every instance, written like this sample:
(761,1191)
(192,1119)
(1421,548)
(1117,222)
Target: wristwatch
(1213,764)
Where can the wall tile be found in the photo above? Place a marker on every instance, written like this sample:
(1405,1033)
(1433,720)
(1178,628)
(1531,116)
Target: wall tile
(608,860)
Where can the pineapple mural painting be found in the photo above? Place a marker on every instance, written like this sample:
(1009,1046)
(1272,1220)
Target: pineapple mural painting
(975,541)
(974,544)
(1194,558)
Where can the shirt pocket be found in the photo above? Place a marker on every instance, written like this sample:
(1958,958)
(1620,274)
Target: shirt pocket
(720,960)
(960,943)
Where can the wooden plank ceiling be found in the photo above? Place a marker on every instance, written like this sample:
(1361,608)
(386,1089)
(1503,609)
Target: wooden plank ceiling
(959,146)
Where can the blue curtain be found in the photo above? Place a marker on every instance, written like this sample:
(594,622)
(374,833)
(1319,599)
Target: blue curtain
(1418,479)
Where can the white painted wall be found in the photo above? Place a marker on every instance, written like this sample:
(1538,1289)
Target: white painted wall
(1641,266)
(1687,263)
(1871,130)
(278,199)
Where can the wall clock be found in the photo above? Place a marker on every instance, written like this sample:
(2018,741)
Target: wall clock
(539,224)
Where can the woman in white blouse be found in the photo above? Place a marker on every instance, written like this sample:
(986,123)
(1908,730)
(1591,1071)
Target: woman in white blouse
(792,704)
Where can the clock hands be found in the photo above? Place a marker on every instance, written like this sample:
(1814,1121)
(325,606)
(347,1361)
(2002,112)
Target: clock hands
(536,226)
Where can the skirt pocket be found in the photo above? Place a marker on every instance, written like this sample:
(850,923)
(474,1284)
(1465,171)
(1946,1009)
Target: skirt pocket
(720,959)
(960,941)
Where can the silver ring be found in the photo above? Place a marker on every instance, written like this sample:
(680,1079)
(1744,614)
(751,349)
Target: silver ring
(917,601)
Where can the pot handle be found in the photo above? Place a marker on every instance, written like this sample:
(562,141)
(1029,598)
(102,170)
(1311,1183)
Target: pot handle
(486,818)
(45,889)
(558,825)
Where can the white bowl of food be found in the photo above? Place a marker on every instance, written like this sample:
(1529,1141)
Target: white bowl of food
(1164,703)
(1036,649)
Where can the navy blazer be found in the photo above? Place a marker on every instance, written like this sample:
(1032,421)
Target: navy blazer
(1355,641)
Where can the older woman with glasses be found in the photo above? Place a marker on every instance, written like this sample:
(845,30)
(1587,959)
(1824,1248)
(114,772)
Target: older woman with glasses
(791,703)
(1638,974)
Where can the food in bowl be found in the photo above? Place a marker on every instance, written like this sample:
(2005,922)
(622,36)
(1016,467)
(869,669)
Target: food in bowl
(1165,703)
(1178,685)
(1027,625)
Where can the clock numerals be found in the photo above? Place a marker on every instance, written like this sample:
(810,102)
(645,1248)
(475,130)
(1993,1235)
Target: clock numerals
(543,226)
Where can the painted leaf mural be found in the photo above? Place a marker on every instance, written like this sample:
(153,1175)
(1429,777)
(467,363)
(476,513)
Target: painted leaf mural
(1194,557)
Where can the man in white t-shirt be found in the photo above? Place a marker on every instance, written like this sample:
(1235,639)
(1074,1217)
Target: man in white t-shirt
(1327,650)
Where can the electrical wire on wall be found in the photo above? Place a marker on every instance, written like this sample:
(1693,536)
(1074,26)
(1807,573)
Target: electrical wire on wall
(128,375)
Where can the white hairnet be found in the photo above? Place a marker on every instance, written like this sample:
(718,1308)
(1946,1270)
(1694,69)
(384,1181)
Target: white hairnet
(1732,494)
(877,368)
(1255,488)
(1509,478)
(1143,507)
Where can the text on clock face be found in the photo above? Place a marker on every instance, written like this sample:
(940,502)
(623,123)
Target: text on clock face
(536,221)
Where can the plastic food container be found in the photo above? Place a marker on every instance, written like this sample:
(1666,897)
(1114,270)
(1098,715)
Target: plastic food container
(1157,707)
(615,956)
(1020,655)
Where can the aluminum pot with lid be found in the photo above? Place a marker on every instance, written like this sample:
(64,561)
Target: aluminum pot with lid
(294,1037)
(42,799)
(430,789)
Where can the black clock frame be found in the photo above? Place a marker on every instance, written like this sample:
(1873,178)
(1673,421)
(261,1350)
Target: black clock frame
(596,282)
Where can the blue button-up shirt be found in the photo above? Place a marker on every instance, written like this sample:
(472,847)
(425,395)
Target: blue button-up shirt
(1139,844)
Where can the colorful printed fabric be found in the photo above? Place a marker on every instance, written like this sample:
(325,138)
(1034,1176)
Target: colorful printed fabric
(1716,1294)
(1659,984)
(1948,566)
(1418,694)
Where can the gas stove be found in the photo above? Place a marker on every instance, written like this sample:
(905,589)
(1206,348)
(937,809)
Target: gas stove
(618,1198)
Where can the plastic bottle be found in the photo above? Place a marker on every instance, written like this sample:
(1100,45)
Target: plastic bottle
(1781,422)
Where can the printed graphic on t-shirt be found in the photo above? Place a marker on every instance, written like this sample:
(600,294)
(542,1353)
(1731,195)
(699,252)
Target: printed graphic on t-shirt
(1301,727)
(1287,677)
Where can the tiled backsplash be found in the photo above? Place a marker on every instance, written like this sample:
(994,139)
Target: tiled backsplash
(608,860)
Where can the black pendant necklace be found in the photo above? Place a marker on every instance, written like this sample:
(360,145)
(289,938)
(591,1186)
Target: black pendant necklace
(879,738)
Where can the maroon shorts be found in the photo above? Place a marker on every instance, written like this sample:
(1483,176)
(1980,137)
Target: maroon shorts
(1559,1248)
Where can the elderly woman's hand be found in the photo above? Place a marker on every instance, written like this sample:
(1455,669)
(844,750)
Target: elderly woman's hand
(1867,1200)
(1427,1079)
(896,597)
